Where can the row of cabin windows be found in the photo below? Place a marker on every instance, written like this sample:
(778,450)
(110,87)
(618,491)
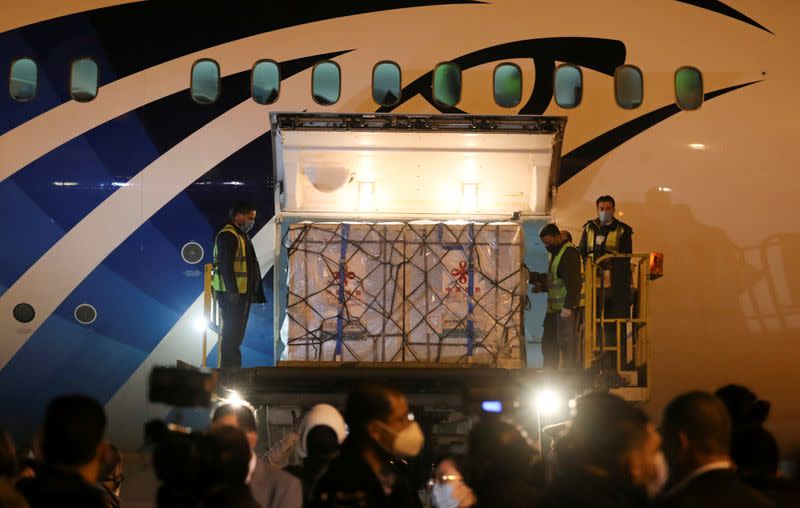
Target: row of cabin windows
(326,83)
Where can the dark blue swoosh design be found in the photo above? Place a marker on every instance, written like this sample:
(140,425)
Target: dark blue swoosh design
(581,157)
(95,162)
(125,39)
(601,55)
(140,291)
(725,10)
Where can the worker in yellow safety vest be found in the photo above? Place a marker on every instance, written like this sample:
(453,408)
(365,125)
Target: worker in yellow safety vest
(236,280)
(563,282)
(607,235)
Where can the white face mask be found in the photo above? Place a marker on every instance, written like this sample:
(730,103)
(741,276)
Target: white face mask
(247,226)
(442,494)
(408,442)
(662,474)
(604,216)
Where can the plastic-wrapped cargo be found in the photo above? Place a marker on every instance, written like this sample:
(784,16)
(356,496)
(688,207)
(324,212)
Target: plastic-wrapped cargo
(343,298)
(464,292)
(430,292)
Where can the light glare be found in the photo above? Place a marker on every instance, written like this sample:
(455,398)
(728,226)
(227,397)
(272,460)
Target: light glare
(697,146)
(234,399)
(547,402)
(199,323)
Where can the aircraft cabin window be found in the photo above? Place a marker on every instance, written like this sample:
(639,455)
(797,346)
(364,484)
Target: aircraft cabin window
(83,80)
(326,83)
(447,84)
(688,88)
(568,86)
(628,87)
(24,312)
(205,81)
(85,314)
(386,84)
(23,79)
(507,85)
(265,83)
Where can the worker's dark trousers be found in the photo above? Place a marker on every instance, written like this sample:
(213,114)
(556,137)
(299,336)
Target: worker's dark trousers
(235,309)
(560,339)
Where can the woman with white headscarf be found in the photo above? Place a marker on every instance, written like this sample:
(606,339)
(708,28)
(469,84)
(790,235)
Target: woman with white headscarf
(322,431)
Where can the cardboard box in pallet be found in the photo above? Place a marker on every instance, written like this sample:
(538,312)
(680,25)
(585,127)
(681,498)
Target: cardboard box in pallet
(364,273)
(463,292)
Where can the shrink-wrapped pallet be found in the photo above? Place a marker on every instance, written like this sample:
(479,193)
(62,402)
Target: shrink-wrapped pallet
(413,292)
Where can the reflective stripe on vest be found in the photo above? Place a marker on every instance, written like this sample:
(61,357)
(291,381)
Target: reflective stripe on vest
(556,289)
(239,263)
(612,239)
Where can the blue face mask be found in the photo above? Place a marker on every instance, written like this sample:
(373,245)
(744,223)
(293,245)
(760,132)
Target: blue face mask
(443,496)
(605,217)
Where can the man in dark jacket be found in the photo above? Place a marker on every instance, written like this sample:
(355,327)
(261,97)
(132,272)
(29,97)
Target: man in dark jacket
(601,236)
(502,466)
(236,281)
(368,472)
(697,442)
(73,449)
(609,458)
(563,283)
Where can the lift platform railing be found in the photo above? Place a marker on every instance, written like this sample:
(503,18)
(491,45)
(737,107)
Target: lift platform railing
(212,321)
(596,339)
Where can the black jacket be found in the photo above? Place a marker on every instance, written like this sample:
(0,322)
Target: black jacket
(620,268)
(624,243)
(582,489)
(60,488)
(719,487)
(350,482)
(227,244)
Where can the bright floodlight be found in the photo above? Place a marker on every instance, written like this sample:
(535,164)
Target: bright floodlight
(199,323)
(234,399)
(547,402)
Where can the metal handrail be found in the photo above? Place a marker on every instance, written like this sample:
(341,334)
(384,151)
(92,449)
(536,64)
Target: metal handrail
(211,314)
(594,343)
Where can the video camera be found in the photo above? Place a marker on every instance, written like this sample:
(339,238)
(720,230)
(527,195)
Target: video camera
(190,465)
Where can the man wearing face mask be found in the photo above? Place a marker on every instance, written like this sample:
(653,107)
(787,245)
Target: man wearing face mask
(236,280)
(369,471)
(610,457)
(607,235)
(563,277)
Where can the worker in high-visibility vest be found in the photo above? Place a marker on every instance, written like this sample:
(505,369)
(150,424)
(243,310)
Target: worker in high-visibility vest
(559,338)
(236,280)
(607,235)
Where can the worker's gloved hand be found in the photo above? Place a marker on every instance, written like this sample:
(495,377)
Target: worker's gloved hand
(566,313)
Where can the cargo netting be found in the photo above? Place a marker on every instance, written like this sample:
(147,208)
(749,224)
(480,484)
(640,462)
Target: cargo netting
(425,292)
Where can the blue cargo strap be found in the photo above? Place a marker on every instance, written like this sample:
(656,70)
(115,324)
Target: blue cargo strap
(470,290)
(337,352)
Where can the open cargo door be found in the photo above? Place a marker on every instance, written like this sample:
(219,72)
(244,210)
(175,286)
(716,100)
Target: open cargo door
(400,237)
(375,166)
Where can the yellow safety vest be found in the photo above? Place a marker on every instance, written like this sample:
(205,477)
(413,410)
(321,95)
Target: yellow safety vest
(611,247)
(239,262)
(612,238)
(556,289)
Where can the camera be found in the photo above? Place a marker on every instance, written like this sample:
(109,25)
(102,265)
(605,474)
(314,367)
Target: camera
(192,466)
